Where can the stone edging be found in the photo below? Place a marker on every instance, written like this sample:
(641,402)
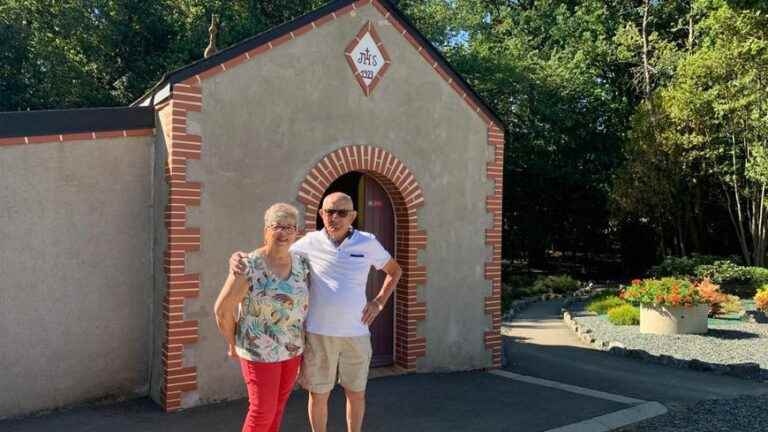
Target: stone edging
(749,370)
(521,304)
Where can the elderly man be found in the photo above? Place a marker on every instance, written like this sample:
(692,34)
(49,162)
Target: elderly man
(338,339)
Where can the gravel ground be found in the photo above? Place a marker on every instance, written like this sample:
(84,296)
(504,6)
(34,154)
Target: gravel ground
(743,414)
(727,342)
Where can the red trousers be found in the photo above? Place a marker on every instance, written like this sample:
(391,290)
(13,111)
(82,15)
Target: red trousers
(269,385)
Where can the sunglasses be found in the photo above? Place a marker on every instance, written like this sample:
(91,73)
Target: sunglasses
(342,213)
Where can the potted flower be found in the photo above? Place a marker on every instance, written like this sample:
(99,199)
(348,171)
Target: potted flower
(761,304)
(669,305)
(711,294)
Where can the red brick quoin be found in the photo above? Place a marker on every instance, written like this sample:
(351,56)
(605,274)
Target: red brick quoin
(182,147)
(494,172)
(406,195)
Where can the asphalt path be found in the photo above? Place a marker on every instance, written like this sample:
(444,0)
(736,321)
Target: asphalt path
(463,401)
(537,343)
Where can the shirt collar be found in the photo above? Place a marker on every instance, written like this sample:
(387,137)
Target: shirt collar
(350,233)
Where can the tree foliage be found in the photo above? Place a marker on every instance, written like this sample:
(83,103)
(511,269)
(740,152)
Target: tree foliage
(702,133)
(629,122)
(85,53)
(550,70)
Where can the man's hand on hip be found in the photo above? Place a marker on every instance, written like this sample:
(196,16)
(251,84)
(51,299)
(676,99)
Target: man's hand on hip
(371,311)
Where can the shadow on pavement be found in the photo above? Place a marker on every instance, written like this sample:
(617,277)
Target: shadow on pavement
(465,401)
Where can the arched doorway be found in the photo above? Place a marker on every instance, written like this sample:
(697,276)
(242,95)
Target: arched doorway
(375,215)
(406,197)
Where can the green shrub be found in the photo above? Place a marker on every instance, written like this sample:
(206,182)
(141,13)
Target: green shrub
(721,271)
(624,315)
(604,295)
(517,286)
(680,266)
(734,279)
(758,277)
(534,291)
(562,284)
(601,305)
(520,280)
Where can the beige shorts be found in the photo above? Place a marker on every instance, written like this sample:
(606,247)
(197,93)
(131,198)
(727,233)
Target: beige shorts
(324,355)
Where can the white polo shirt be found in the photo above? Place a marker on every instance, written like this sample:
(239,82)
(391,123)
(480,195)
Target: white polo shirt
(338,277)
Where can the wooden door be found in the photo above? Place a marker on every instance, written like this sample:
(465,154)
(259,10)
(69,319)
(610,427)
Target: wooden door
(377,216)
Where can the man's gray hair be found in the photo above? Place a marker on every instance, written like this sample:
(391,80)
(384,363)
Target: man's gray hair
(339,196)
(280,212)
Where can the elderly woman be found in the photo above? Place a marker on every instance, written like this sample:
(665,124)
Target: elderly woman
(261,315)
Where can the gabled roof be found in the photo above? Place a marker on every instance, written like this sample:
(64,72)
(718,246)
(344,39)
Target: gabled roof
(162,88)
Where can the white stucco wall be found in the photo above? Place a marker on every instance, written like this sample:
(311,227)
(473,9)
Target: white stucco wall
(75,272)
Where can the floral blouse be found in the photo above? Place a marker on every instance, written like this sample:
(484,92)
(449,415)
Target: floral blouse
(271,323)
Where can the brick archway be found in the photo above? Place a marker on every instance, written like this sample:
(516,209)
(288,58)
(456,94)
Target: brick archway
(406,196)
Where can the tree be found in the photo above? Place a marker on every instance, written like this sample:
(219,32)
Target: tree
(85,53)
(719,111)
(549,69)
(650,186)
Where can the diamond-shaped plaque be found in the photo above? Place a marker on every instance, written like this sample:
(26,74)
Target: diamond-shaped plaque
(367,58)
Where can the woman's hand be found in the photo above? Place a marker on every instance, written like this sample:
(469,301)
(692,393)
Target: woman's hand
(236,265)
(231,351)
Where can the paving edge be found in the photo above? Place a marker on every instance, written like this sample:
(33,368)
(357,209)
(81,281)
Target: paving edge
(750,370)
(616,419)
(639,411)
(521,304)
(568,388)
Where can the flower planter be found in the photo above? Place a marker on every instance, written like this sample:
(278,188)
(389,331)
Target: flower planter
(666,320)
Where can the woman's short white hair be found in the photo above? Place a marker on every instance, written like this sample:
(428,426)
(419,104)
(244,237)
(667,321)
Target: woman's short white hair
(280,212)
